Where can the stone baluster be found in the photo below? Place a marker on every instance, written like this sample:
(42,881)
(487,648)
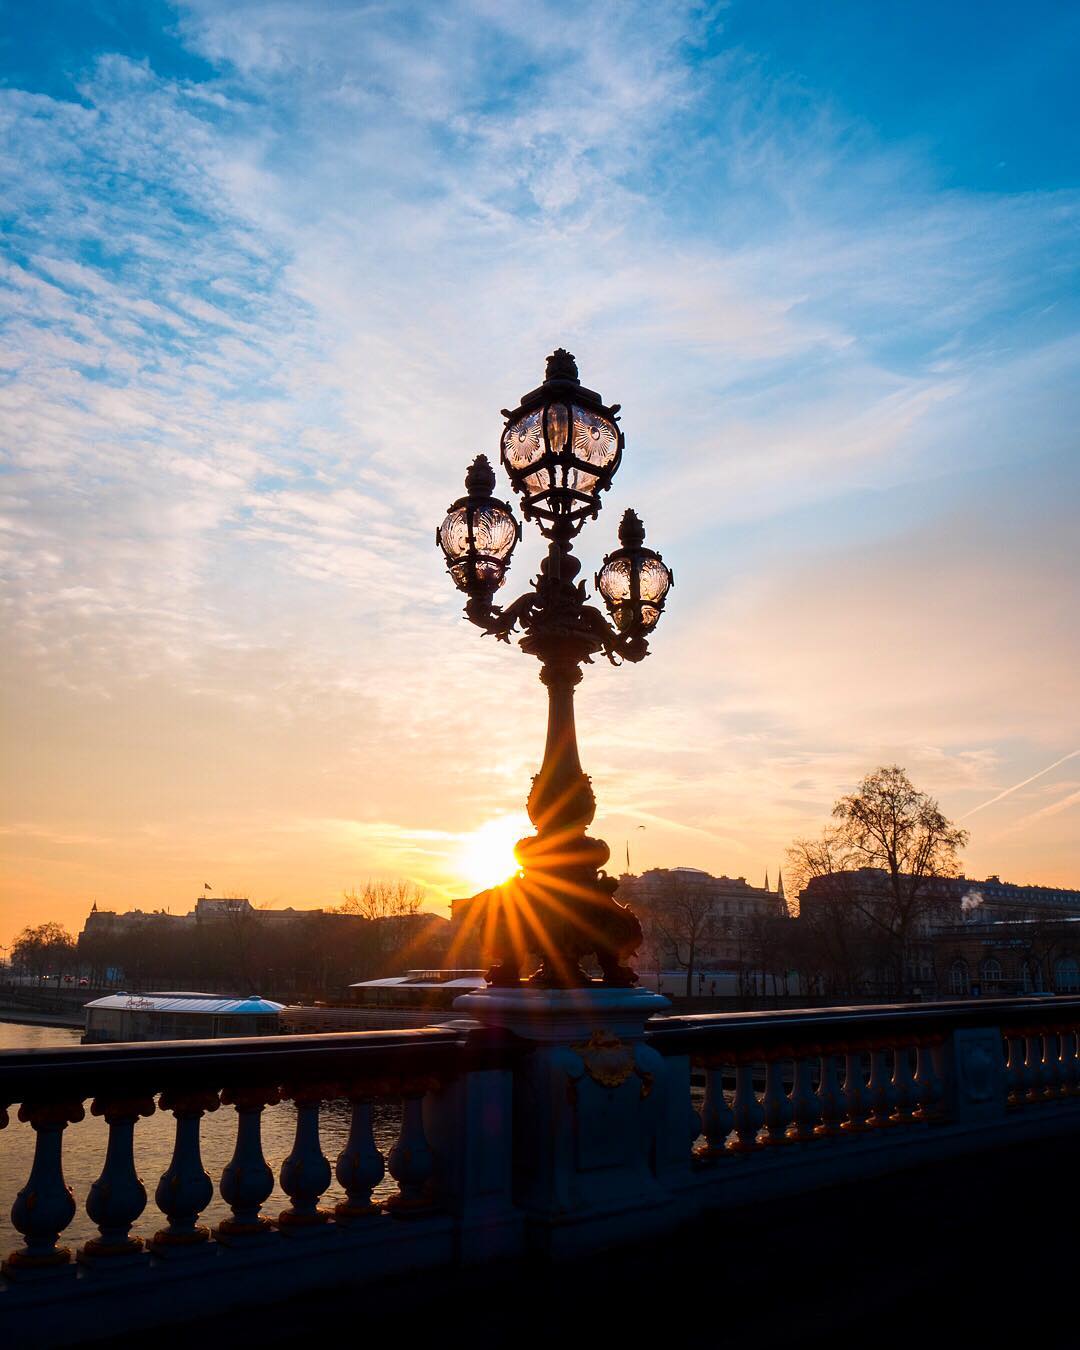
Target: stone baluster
(1051,1064)
(805,1108)
(46,1204)
(360,1166)
(185,1188)
(857,1099)
(717,1118)
(118,1196)
(775,1104)
(903,1086)
(411,1163)
(305,1173)
(1015,1072)
(928,1088)
(247,1181)
(880,1087)
(748,1115)
(830,1095)
(1033,1065)
(1070,1069)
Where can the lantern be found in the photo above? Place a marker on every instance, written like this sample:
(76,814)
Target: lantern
(561,447)
(479,534)
(634,580)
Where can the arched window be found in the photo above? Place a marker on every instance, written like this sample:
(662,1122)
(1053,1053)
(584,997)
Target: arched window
(1066,975)
(958,977)
(990,974)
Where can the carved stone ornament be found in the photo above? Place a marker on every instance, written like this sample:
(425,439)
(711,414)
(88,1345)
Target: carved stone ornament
(608,1061)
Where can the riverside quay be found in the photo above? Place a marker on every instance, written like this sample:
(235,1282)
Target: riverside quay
(550,1126)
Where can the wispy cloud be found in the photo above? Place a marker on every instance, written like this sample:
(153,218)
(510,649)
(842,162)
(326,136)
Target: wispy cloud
(257,316)
(1054,809)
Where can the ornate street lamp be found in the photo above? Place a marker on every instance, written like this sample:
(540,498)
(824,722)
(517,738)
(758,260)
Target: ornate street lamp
(561,447)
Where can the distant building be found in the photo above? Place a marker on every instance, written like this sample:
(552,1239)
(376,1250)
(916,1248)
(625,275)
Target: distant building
(208,909)
(954,915)
(730,897)
(951,899)
(208,912)
(1003,957)
(705,935)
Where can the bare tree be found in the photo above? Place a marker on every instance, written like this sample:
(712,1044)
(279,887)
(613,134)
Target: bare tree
(834,946)
(1044,937)
(680,920)
(764,944)
(900,834)
(382,900)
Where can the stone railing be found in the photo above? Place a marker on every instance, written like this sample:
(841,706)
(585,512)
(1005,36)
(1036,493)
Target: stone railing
(564,1123)
(796,1100)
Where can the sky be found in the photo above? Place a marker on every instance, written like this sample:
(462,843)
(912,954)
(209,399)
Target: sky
(270,271)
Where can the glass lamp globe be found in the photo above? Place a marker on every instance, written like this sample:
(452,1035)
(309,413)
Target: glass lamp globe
(479,534)
(634,580)
(561,447)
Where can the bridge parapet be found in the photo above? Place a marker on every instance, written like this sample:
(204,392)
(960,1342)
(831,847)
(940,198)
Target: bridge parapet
(555,1131)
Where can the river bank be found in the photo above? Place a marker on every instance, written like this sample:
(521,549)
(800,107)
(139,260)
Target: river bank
(28,1018)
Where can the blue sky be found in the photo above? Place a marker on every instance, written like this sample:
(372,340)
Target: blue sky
(271,270)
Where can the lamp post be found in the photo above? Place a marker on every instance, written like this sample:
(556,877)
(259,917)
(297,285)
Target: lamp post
(561,448)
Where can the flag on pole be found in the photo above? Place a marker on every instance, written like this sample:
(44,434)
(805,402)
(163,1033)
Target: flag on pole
(206,886)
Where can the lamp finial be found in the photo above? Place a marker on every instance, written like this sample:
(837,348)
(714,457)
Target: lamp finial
(631,530)
(561,366)
(480,478)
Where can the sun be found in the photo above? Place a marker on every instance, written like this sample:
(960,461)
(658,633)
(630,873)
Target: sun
(486,856)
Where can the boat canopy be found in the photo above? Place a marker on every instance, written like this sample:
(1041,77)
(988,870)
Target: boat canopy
(208,1004)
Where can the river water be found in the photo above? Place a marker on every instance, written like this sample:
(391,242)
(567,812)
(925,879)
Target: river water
(84,1147)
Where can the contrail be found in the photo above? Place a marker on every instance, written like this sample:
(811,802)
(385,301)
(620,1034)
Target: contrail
(1017,786)
(1052,810)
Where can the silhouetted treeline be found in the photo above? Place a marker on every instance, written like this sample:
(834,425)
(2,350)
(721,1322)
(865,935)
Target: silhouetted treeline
(314,955)
(48,949)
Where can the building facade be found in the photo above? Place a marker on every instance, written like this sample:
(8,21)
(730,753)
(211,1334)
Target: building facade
(965,935)
(1006,957)
(705,933)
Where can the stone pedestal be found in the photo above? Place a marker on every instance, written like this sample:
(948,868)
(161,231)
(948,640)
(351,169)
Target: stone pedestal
(974,1070)
(589,1111)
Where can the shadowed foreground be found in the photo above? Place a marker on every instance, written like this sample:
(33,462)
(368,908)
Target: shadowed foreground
(910,1259)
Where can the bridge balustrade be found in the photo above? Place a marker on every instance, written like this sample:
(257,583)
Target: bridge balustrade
(791,1102)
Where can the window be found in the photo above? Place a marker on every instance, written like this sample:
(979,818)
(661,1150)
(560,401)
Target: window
(1031,980)
(1066,975)
(990,974)
(958,977)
